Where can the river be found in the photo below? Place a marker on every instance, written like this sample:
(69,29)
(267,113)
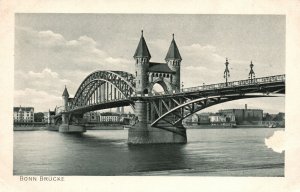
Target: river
(209,152)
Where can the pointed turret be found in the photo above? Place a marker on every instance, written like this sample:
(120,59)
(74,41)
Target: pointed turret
(65,97)
(142,57)
(173,60)
(173,53)
(65,93)
(142,49)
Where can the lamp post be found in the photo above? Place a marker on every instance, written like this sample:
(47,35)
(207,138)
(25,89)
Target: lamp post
(226,72)
(251,73)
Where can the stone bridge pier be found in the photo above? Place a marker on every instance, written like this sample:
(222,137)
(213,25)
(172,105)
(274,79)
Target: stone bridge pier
(143,133)
(71,123)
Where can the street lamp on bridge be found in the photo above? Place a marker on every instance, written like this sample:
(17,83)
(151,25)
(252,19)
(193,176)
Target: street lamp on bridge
(251,73)
(226,72)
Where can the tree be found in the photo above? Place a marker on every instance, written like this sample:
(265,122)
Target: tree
(38,117)
(279,117)
(268,117)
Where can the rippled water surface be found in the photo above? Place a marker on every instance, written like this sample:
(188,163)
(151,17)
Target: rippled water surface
(209,152)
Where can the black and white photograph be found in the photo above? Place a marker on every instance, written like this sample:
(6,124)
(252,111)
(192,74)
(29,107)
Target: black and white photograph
(148,94)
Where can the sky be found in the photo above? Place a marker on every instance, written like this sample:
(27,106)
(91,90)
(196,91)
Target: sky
(54,50)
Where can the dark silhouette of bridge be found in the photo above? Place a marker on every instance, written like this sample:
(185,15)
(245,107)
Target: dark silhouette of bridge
(159,115)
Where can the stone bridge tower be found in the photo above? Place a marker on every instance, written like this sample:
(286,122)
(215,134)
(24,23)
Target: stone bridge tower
(166,74)
(65,97)
(147,73)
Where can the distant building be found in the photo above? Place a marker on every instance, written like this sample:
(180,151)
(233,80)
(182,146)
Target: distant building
(114,118)
(192,119)
(91,116)
(222,119)
(106,117)
(51,114)
(203,118)
(245,116)
(46,118)
(23,114)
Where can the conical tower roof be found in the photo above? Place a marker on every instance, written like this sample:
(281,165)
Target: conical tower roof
(142,49)
(65,93)
(173,52)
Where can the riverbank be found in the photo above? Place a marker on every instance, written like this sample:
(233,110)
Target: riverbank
(29,128)
(55,128)
(226,127)
(107,127)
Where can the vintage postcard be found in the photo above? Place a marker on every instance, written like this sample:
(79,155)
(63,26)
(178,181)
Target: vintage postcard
(183,95)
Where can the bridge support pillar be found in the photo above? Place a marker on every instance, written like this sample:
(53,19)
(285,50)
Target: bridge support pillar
(143,133)
(66,127)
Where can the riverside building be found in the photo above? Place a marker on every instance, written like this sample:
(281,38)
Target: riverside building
(23,114)
(245,116)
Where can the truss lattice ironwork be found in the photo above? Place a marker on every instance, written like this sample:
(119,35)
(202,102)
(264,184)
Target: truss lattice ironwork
(103,87)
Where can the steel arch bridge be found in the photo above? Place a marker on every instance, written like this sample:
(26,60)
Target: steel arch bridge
(164,111)
(109,89)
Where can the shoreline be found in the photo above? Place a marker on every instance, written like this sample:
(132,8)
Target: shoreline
(228,127)
(29,128)
(54,128)
(122,127)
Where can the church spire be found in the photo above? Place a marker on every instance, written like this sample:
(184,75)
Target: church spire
(173,53)
(142,49)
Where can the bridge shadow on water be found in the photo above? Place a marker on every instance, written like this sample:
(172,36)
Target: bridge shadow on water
(159,157)
(114,156)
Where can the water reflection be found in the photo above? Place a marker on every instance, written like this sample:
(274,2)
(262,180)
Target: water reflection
(158,157)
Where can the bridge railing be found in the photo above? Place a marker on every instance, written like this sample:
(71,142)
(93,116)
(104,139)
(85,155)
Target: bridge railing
(255,81)
(262,80)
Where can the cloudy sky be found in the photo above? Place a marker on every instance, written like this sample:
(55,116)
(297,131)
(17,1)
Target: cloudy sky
(54,50)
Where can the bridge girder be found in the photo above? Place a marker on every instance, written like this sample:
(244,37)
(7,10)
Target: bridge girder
(175,115)
(172,110)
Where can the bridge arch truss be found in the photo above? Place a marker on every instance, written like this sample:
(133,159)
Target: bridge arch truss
(103,87)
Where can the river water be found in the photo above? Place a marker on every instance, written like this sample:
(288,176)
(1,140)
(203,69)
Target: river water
(209,152)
